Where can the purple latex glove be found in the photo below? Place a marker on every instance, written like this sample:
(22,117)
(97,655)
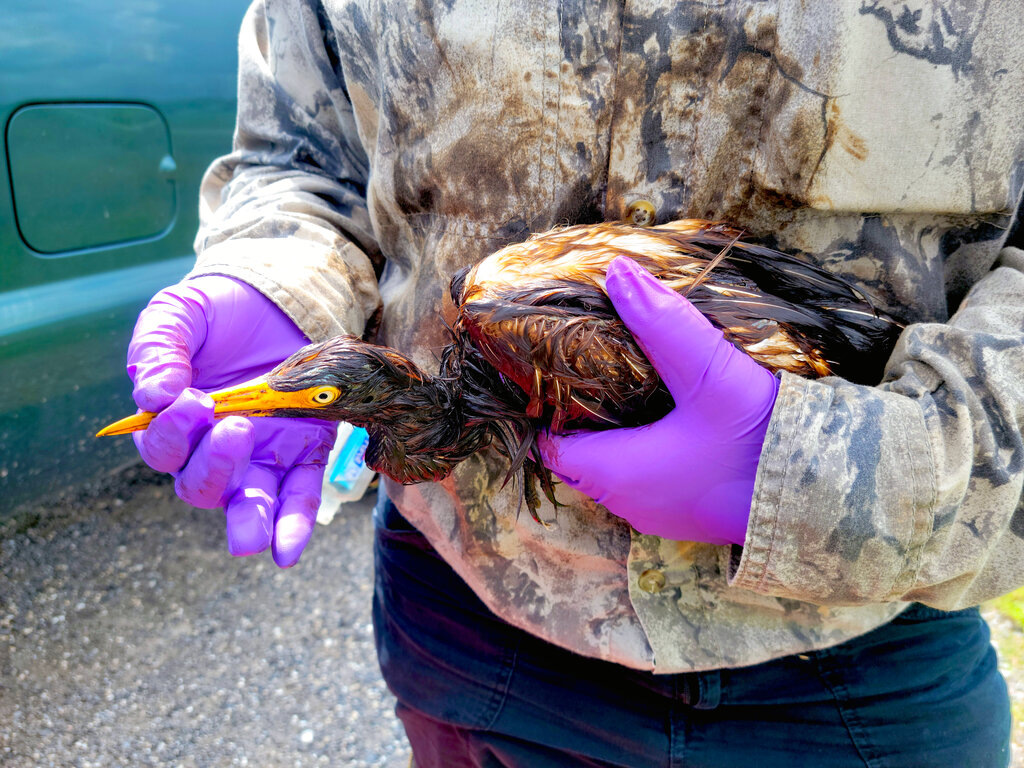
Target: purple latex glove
(212,332)
(689,476)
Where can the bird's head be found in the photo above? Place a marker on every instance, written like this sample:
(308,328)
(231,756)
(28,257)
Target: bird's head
(341,379)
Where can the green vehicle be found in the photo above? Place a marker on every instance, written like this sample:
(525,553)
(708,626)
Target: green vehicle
(111,111)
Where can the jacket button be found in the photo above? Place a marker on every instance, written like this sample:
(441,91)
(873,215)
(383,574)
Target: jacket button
(652,581)
(641,213)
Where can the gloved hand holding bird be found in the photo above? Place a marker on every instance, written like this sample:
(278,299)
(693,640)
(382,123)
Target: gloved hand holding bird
(560,334)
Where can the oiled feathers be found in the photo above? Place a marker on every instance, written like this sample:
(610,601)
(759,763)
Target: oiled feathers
(537,312)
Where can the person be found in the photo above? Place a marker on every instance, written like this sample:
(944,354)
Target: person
(783,570)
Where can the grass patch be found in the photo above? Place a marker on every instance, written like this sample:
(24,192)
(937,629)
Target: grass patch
(1006,618)
(1012,607)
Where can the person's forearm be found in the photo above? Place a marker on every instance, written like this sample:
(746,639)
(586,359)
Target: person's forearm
(286,211)
(906,491)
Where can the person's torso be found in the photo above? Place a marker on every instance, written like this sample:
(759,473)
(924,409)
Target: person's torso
(878,139)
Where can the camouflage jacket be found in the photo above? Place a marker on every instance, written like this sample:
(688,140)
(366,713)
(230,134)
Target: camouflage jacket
(381,146)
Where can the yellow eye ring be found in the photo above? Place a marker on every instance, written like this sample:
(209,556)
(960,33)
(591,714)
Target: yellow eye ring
(324,395)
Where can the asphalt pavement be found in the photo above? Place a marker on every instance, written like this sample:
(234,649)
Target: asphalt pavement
(130,637)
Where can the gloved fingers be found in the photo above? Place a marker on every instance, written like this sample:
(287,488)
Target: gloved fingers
(168,333)
(556,454)
(589,462)
(678,340)
(217,465)
(267,491)
(296,516)
(175,431)
(249,514)
(611,468)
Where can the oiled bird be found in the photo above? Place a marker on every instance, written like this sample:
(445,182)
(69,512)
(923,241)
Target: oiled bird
(535,341)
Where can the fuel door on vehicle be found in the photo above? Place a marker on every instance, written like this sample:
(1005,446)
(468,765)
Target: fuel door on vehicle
(90,175)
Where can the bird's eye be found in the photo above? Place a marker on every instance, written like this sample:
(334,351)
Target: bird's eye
(325,395)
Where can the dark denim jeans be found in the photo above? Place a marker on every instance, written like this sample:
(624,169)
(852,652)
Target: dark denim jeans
(923,690)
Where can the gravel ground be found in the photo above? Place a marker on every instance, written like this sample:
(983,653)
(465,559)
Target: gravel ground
(128,637)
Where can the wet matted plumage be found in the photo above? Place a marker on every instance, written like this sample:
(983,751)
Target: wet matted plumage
(536,342)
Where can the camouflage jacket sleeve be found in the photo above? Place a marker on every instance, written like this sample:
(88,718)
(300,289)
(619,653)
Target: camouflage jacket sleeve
(910,490)
(286,210)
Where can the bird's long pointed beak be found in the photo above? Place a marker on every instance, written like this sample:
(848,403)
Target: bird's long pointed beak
(253,398)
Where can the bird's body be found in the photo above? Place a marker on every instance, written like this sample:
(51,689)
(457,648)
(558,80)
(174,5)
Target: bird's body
(537,311)
(536,342)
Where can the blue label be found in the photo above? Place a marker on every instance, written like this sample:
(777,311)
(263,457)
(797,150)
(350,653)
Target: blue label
(351,459)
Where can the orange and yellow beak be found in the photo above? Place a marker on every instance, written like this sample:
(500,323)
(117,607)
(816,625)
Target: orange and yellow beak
(253,398)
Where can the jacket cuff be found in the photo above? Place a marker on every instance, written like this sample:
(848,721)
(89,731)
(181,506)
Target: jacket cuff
(840,515)
(325,291)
